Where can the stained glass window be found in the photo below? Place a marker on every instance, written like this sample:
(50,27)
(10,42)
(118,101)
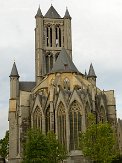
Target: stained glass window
(37,118)
(61,124)
(48,119)
(75,118)
(102,114)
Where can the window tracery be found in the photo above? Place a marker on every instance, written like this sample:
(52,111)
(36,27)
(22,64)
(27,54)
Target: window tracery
(48,119)
(75,118)
(48,36)
(61,124)
(102,114)
(87,111)
(37,118)
(66,84)
(56,56)
(58,36)
(49,62)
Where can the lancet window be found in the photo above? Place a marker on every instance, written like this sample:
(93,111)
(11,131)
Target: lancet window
(87,111)
(66,84)
(48,119)
(75,118)
(102,114)
(37,118)
(61,124)
(56,56)
(49,36)
(58,36)
(49,62)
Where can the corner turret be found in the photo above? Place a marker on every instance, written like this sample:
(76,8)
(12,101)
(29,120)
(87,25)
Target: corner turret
(39,45)
(67,15)
(67,33)
(91,75)
(14,82)
(39,13)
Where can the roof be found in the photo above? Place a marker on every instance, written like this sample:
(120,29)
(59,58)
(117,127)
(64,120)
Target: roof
(26,86)
(64,63)
(39,13)
(91,71)
(14,72)
(52,13)
(67,15)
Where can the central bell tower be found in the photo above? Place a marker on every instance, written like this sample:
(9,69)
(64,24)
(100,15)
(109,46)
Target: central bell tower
(51,34)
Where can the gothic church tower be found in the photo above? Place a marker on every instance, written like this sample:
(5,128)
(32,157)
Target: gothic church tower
(51,34)
(61,97)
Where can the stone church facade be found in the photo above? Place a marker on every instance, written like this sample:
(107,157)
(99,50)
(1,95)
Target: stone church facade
(61,97)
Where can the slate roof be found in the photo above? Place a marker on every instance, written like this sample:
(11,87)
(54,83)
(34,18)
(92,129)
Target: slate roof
(39,13)
(64,63)
(26,86)
(14,71)
(67,15)
(91,71)
(52,13)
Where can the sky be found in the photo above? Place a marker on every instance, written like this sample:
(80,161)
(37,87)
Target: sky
(96,39)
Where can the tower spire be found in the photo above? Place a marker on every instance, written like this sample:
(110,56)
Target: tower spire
(67,15)
(14,71)
(91,75)
(39,13)
(85,74)
(91,71)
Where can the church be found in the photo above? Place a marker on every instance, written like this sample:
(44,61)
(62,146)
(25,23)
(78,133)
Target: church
(61,97)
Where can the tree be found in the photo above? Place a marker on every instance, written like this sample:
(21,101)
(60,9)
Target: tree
(4,146)
(40,148)
(57,151)
(35,147)
(98,142)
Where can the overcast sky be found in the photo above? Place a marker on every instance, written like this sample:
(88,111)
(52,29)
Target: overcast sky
(96,35)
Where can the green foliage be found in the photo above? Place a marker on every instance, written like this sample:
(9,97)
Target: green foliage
(98,142)
(35,148)
(56,151)
(40,148)
(4,145)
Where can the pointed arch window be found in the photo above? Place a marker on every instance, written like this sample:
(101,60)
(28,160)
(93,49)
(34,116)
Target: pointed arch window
(58,36)
(56,56)
(87,111)
(75,118)
(48,119)
(37,118)
(49,62)
(102,114)
(66,84)
(48,36)
(61,124)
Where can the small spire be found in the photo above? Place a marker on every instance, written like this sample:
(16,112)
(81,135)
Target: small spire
(67,15)
(14,72)
(51,2)
(39,13)
(91,72)
(85,73)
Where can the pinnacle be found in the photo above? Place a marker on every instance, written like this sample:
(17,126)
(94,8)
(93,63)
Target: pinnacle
(67,15)
(14,71)
(39,13)
(91,72)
